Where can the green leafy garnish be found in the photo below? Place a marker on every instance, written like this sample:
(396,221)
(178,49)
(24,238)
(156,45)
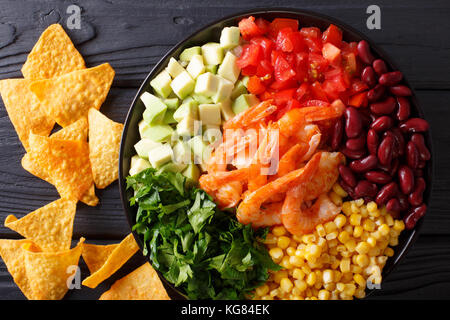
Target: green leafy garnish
(202,250)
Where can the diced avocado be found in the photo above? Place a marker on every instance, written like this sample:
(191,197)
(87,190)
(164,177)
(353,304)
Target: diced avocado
(243,102)
(211,68)
(229,38)
(202,99)
(228,69)
(172,103)
(168,117)
(196,66)
(200,149)
(212,53)
(182,153)
(187,109)
(188,99)
(158,132)
(161,84)
(188,53)
(223,91)
(142,126)
(245,81)
(174,68)
(186,127)
(191,172)
(173,167)
(225,109)
(183,85)
(212,133)
(154,108)
(209,114)
(207,84)
(184,64)
(160,155)
(137,165)
(239,88)
(144,146)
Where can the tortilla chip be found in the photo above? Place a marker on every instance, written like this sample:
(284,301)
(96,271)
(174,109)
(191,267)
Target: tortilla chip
(141,284)
(69,97)
(95,256)
(66,162)
(13,257)
(121,254)
(50,227)
(47,271)
(53,55)
(104,143)
(25,111)
(76,131)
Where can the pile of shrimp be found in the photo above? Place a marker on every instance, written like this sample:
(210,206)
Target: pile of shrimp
(291,191)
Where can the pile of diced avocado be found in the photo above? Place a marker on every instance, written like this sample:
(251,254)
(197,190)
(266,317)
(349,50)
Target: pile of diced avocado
(203,85)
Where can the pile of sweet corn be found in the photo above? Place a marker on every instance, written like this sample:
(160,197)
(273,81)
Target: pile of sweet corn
(338,259)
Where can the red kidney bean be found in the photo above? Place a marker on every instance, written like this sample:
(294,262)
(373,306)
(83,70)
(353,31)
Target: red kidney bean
(357,143)
(365,164)
(386,193)
(384,107)
(369,77)
(376,93)
(394,167)
(347,189)
(365,188)
(385,150)
(399,147)
(400,91)
(353,123)
(421,164)
(382,123)
(406,179)
(414,125)
(389,79)
(414,215)
(415,198)
(378,177)
(372,141)
(412,155)
(347,175)
(353,154)
(364,52)
(366,118)
(418,173)
(404,109)
(337,135)
(419,141)
(393,205)
(379,66)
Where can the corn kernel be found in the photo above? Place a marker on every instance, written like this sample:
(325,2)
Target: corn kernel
(340,220)
(321,230)
(351,245)
(276,254)
(350,289)
(298,274)
(283,242)
(323,295)
(296,261)
(354,208)
(291,251)
(359,279)
(280,275)
(270,239)
(309,238)
(360,293)
(328,276)
(372,206)
(330,226)
(399,225)
(311,279)
(344,265)
(279,231)
(371,241)
(362,247)
(355,219)
(359,202)
(286,285)
(389,252)
(285,263)
(262,290)
(368,225)
(384,229)
(332,235)
(346,208)
(375,213)
(362,260)
(300,285)
(393,242)
(358,231)
(335,198)
(339,190)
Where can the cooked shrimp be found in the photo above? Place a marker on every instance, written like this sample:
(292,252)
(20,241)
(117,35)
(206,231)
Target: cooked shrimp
(251,115)
(229,195)
(290,160)
(270,215)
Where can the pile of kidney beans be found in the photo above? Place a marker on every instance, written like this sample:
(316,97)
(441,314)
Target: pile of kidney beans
(384,144)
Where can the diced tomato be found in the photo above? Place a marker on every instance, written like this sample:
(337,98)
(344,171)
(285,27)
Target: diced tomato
(349,62)
(281,23)
(358,86)
(315,103)
(310,32)
(359,100)
(249,28)
(275,54)
(317,92)
(283,96)
(266,95)
(255,85)
(249,71)
(314,44)
(283,70)
(330,90)
(303,91)
(301,66)
(250,56)
(266,45)
(284,41)
(333,35)
(263,25)
(264,69)
(331,52)
(280,85)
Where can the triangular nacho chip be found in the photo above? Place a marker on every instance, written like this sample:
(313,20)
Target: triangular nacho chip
(69,97)
(66,162)
(13,257)
(25,111)
(104,143)
(141,284)
(50,227)
(121,254)
(76,131)
(53,55)
(47,272)
(95,255)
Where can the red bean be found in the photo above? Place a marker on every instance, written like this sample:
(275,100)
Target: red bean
(385,150)
(414,215)
(412,155)
(369,77)
(347,189)
(378,177)
(399,146)
(353,123)
(353,154)
(384,107)
(365,164)
(382,123)
(365,117)
(406,179)
(379,66)
(404,109)
(421,164)
(416,197)
(414,125)
(365,188)
(347,175)
(386,193)
(394,167)
(403,201)
(376,93)
(419,141)
(400,91)
(418,173)
(393,205)
(337,135)
(357,143)
(364,52)
(389,79)
(372,141)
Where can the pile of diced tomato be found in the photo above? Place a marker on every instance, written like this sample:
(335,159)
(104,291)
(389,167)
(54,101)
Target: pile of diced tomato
(299,67)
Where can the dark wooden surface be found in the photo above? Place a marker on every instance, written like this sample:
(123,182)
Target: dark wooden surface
(133,35)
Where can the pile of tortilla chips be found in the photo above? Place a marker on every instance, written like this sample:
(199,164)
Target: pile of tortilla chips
(58,88)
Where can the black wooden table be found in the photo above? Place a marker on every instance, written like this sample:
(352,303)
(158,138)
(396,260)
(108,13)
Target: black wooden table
(133,35)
